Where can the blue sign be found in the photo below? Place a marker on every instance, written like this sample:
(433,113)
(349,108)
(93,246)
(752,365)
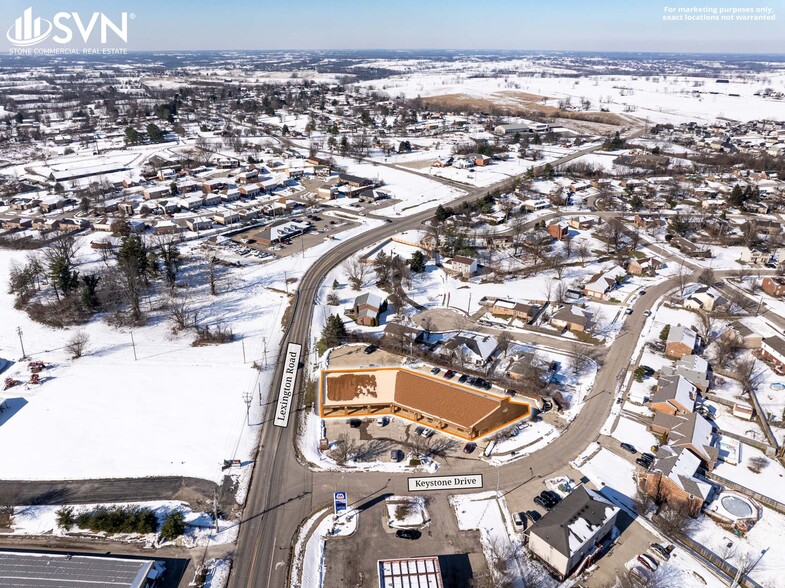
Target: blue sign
(339,502)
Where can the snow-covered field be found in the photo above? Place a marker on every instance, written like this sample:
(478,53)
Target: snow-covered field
(174,410)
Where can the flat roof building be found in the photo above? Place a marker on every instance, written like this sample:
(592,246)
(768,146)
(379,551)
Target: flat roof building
(49,570)
(414,572)
(459,410)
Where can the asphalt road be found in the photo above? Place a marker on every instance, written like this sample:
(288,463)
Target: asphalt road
(284,492)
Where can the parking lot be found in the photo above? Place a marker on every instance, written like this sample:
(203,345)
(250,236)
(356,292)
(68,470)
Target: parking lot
(351,561)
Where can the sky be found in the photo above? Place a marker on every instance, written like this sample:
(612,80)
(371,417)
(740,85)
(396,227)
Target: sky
(588,25)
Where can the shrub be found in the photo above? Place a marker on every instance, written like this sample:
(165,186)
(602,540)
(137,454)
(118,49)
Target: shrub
(65,517)
(174,526)
(118,519)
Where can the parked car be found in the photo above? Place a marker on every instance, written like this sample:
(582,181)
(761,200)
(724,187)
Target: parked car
(511,392)
(646,313)
(396,455)
(463,378)
(382,421)
(553,496)
(643,463)
(449,375)
(628,447)
(519,521)
(533,515)
(411,534)
(627,311)
(469,447)
(436,370)
(660,551)
(648,561)
(648,457)
(642,292)
(539,500)
(546,405)
(370,349)
(423,432)
(355,423)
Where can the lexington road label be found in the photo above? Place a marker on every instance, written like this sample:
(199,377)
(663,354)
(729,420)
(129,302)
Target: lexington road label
(445,483)
(286,392)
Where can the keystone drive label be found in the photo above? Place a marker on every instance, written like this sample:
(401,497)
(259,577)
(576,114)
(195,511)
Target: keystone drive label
(445,482)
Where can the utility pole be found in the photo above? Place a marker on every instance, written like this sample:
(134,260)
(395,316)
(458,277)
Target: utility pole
(264,352)
(133,344)
(286,282)
(19,332)
(215,508)
(242,342)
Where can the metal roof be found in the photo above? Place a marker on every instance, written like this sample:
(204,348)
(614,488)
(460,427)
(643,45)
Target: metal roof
(43,570)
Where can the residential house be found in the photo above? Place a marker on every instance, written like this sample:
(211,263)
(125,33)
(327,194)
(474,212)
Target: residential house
(572,317)
(211,199)
(745,336)
(581,223)
(601,284)
(231,195)
(199,223)
(674,395)
(507,307)
(687,431)
(155,192)
(705,298)
(404,335)
(773,286)
(755,255)
(247,177)
(226,217)
(50,203)
(681,341)
(532,205)
(354,181)
(165,227)
(471,348)
(772,350)
(462,265)
(366,309)
(693,367)
(646,266)
(250,190)
(572,530)
(559,230)
(674,479)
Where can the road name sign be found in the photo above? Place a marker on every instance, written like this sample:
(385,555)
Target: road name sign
(286,393)
(445,482)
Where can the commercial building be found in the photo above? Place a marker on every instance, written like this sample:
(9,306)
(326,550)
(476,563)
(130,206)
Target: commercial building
(415,572)
(430,401)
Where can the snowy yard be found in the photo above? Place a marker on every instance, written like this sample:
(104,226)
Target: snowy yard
(612,475)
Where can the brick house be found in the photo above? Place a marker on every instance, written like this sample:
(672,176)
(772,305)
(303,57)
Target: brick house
(367,308)
(673,479)
(559,230)
(773,286)
(681,341)
(772,350)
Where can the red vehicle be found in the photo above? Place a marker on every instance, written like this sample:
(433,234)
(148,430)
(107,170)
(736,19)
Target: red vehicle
(449,374)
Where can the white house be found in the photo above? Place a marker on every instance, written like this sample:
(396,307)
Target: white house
(461,265)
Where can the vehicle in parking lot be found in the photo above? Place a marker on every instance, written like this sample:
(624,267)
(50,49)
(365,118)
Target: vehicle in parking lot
(552,495)
(643,463)
(423,432)
(355,423)
(646,313)
(539,500)
(463,378)
(449,375)
(396,455)
(436,370)
(412,534)
(519,521)
(533,515)
(660,551)
(548,501)
(648,457)
(511,392)
(628,447)
(648,561)
(469,447)
(642,292)
(627,311)
(546,406)
(370,349)
(382,421)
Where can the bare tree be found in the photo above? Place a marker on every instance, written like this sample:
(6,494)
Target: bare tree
(707,277)
(673,519)
(76,344)
(706,330)
(749,373)
(343,449)
(357,271)
(582,358)
(583,250)
(725,347)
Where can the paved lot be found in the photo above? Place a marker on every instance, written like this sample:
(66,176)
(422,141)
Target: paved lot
(351,561)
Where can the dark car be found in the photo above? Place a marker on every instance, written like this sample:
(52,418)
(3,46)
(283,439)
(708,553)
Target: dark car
(539,500)
(552,495)
(628,447)
(469,447)
(370,349)
(463,378)
(547,500)
(546,406)
(449,374)
(648,457)
(355,423)
(533,515)
(660,551)
(411,534)
(643,463)
(511,392)
(471,380)
(436,370)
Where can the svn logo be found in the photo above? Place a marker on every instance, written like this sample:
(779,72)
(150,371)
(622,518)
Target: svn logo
(28,31)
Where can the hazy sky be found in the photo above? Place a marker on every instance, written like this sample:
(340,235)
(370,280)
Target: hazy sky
(601,25)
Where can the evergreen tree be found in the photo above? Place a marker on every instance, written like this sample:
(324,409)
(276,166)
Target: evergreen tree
(173,527)
(417,262)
